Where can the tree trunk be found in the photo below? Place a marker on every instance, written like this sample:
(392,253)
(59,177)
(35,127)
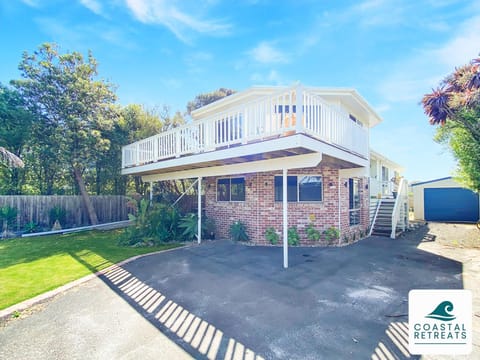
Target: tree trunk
(86,199)
(98,179)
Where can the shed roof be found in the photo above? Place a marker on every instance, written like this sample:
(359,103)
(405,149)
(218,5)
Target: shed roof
(431,181)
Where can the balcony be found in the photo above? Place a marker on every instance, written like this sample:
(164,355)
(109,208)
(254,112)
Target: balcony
(253,120)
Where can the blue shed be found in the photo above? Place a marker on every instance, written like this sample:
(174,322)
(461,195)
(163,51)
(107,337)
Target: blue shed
(445,200)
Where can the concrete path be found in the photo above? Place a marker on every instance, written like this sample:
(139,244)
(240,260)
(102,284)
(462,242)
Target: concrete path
(226,301)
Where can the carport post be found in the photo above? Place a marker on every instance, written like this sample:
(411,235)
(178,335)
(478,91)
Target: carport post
(199,227)
(285,219)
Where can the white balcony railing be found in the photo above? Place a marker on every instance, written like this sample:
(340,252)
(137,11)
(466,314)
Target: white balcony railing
(273,115)
(382,188)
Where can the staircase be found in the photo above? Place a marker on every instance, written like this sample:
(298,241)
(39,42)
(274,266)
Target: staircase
(383,222)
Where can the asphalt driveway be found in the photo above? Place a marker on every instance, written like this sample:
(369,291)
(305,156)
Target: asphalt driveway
(227,301)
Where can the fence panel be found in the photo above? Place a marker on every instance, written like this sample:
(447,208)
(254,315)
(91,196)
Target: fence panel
(36,209)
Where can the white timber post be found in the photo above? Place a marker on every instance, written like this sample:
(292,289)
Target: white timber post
(137,154)
(299,105)
(339,208)
(285,219)
(178,145)
(244,124)
(199,226)
(151,192)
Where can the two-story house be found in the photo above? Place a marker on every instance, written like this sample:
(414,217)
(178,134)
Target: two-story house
(271,157)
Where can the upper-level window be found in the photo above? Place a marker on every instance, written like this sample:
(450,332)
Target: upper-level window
(300,188)
(355,120)
(231,189)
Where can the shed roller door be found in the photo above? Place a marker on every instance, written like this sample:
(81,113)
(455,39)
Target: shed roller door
(450,204)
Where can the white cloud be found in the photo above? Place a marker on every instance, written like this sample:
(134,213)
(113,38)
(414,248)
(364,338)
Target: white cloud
(270,78)
(463,47)
(382,108)
(265,53)
(416,75)
(92,5)
(166,13)
(32,3)
(80,36)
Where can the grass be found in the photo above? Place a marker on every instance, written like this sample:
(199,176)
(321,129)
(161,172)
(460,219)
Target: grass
(32,266)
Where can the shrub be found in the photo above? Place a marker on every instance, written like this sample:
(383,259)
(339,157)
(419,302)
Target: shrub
(271,235)
(30,227)
(209,228)
(292,236)
(162,223)
(8,215)
(189,224)
(331,234)
(312,233)
(238,231)
(153,224)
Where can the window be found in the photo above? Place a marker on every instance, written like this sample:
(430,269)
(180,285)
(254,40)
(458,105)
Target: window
(237,189)
(231,189)
(354,201)
(355,120)
(300,188)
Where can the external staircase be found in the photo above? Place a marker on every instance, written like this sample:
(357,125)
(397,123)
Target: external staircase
(383,221)
(389,217)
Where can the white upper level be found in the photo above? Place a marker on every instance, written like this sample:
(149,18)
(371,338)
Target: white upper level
(337,117)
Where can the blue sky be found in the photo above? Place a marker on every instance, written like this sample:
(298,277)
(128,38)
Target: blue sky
(164,52)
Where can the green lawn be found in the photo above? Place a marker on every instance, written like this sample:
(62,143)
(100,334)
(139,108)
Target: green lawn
(32,266)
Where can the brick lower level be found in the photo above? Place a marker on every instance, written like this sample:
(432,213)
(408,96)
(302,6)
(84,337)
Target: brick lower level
(260,211)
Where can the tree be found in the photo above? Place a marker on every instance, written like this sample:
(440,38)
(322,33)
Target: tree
(74,106)
(15,126)
(455,105)
(208,98)
(10,159)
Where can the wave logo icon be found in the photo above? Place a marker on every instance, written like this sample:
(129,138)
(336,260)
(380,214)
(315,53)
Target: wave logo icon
(442,312)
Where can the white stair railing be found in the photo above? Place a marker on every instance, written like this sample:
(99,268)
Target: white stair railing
(372,224)
(399,214)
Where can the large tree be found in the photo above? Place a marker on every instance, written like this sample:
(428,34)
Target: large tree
(75,107)
(15,126)
(455,105)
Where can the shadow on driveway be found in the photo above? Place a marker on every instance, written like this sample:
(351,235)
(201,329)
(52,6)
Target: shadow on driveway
(222,300)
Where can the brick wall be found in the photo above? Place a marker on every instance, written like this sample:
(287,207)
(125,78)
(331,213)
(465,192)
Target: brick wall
(260,211)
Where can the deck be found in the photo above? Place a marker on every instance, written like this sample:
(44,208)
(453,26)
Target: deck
(287,112)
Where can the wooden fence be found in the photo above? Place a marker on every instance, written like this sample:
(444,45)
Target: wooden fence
(36,209)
